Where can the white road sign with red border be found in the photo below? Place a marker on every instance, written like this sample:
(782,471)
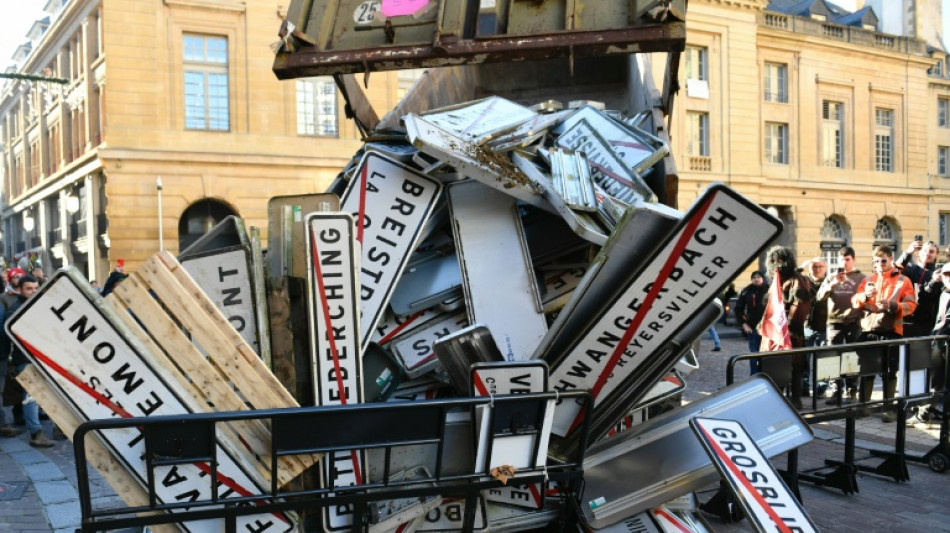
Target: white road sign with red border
(719,235)
(102,373)
(760,490)
(391,203)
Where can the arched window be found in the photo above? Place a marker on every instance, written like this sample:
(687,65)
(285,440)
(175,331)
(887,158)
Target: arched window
(835,233)
(887,233)
(198,219)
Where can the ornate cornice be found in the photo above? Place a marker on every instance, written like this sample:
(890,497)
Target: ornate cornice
(755,5)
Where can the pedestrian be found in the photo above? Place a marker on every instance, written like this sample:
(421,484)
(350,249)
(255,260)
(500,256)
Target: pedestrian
(9,295)
(18,360)
(717,344)
(938,367)
(115,277)
(38,273)
(816,322)
(797,300)
(835,294)
(884,297)
(750,305)
(919,263)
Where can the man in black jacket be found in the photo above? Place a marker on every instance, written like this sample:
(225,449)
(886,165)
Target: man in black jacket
(750,305)
(31,410)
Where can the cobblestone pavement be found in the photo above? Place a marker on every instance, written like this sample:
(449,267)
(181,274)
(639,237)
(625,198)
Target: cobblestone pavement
(38,486)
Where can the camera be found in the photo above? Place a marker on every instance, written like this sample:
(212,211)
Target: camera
(918,237)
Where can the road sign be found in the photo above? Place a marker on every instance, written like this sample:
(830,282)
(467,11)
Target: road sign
(718,236)
(225,276)
(332,258)
(391,203)
(101,371)
(497,276)
(664,448)
(759,489)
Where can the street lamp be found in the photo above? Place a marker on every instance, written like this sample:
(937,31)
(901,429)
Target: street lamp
(72,203)
(28,222)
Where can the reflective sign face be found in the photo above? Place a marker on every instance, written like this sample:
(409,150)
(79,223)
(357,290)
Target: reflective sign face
(334,311)
(759,488)
(225,277)
(101,373)
(719,235)
(390,203)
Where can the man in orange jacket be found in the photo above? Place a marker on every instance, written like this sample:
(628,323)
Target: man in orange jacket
(884,298)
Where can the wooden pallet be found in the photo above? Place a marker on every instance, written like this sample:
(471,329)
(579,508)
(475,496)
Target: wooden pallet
(121,481)
(163,299)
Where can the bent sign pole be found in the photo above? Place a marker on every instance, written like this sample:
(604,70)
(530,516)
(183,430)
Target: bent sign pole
(760,490)
(716,238)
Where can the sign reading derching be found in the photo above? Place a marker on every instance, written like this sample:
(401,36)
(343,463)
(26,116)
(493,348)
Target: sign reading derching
(391,203)
(717,237)
(759,488)
(102,375)
(334,312)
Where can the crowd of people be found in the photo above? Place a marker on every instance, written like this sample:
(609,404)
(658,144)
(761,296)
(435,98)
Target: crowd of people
(904,297)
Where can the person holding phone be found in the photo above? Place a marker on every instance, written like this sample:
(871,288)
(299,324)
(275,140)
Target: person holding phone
(919,264)
(842,326)
(884,298)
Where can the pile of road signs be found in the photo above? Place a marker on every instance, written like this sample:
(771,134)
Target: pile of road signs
(488,249)
(490,236)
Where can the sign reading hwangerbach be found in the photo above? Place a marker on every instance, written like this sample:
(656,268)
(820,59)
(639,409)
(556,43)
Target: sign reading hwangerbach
(88,356)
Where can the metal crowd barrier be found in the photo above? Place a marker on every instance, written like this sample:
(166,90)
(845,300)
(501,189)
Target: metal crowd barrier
(910,358)
(380,427)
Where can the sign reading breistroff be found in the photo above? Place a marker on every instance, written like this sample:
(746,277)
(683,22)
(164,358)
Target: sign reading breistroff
(391,203)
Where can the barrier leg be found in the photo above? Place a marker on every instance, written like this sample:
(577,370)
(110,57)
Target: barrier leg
(844,476)
(895,465)
(723,505)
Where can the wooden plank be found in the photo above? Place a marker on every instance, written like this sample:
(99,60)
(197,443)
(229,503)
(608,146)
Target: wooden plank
(218,320)
(97,454)
(169,347)
(193,312)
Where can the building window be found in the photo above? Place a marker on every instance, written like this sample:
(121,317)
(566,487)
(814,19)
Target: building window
(698,133)
(696,63)
(316,107)
(834,235)
(943,229)
(884,140)
(206,83)
(832,149)
(943,112)
(943,159)
(886,234)
(776,143)
(776,82)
